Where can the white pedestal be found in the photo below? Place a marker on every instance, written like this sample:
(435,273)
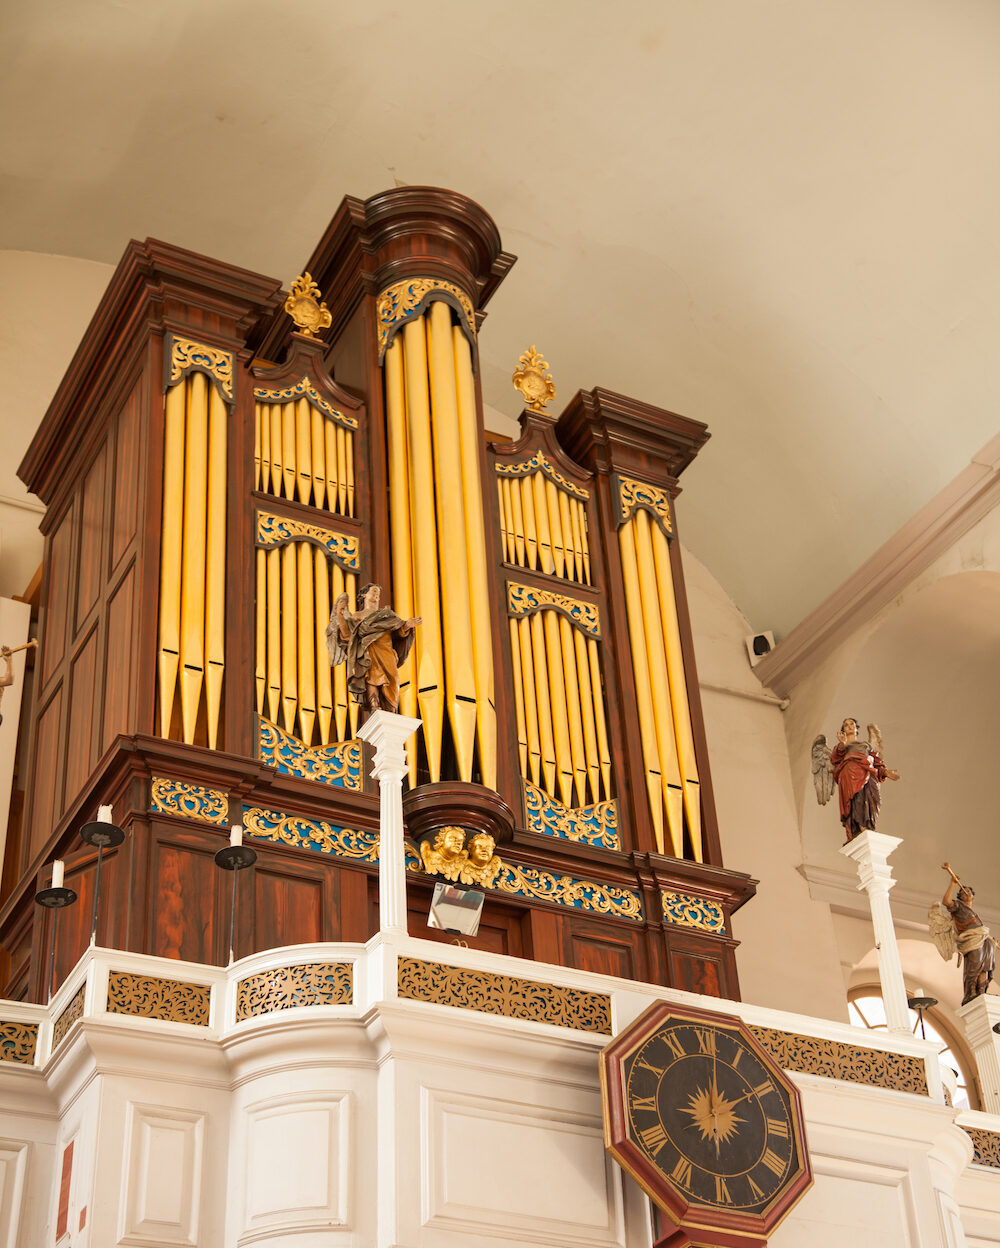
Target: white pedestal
(389,733)
(870,852)
(980,1016)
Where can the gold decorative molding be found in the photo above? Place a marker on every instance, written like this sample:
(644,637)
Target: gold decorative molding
(184,356)
(189,801)
(304,389)
(338,765)
(567,890)
(526,599)
(306,307)
(18,1042)
(323,838)
(811,1055)
(987,1146)
(533,381)
(280,530)
(402,301)
(690,910)
(147,996)
(68,1017)
(586,825)
(539,462)
(652,498)
(505,995)
(293,987)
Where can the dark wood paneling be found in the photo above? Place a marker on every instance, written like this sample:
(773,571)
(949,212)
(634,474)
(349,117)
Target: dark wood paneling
(126,477)
(91,540)
(185,885)
(288,907)
(46,777)
(57,596)
(84,717)
(608,948)
(118,664)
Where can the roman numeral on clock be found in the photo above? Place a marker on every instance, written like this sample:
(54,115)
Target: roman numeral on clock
(777,1126)
(722,1196)
(673,1044)
(773,1162)
(653,1138)
(755,1191)
(762,1089)
(644,1102)
(706,1042)
(681,1173)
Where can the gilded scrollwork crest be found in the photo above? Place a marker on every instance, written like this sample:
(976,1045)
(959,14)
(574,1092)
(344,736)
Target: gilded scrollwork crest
(525,599)
(18,1041)
(304,389)
(568,890)
(306,307)
(540,462)
(338,765)
(634,494)
(533,381)
(588,825)
(322,838)
(402,301)
(189,801)
(690,910)
(149,996)
(183,356)
(280,530)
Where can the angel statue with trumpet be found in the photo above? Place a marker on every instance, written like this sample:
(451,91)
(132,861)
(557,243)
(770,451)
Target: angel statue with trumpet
(957,929)
(857,769)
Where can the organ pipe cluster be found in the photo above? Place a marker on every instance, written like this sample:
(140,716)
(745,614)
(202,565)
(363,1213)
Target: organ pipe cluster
(302,454)
(542,527)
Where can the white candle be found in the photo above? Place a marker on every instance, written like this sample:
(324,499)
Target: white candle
(236,836)
(104,815)
(58,871)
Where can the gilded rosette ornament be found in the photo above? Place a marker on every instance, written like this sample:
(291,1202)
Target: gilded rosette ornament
(306,308)
(533,380)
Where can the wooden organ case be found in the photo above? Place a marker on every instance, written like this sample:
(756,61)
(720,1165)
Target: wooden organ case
(214,479)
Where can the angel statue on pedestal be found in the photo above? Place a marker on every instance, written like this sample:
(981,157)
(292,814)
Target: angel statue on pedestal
(957,929)
(857,769)
(374,643)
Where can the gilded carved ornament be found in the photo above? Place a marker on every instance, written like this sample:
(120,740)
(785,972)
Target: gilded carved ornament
(18,1041)
(539,462)
(189,801)
(633,494)
(690,910)
(533,380)
(475,864)
(812,1055)
(405,300)
(306,308)
(280,530)
(184,356)
(68,1017)
(338,764)
(149,996)
(295,987)
(525,599)
(587,825)
(304,389)
(986,1145)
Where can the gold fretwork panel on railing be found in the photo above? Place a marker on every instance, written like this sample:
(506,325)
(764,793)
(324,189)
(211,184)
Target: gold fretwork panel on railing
(658,666)
(191,648)
(304,447)
(543,519)
(301,570)
(562,734)
(437,535)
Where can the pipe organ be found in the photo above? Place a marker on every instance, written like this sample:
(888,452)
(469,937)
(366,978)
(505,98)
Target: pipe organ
(217,476)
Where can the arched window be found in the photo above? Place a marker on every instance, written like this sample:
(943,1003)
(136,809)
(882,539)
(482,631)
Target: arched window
(867,1009)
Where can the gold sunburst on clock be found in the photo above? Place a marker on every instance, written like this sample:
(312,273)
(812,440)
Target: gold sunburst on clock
(714,1115)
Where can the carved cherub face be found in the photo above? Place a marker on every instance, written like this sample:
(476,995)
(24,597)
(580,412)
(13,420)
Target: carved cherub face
(481,848)
(449,842)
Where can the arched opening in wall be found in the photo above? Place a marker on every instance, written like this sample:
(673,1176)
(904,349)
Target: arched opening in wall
(867,1009)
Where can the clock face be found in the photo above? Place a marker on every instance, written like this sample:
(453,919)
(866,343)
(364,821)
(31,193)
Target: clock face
(705,1118)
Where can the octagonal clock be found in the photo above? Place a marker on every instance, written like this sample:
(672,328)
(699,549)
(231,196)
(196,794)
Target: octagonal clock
(704,1119)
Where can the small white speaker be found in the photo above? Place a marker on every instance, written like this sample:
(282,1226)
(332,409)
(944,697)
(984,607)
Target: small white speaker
(759,644)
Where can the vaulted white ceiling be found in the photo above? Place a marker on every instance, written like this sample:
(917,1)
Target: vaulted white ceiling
(776,216)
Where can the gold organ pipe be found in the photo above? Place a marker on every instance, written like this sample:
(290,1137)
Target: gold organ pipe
(517,519)
(289,638)
(678,688)
(273,634)
(324,683)
(288,448)
(603,750)
(640,667)
(536,486)
(264,426)
(586,694)
(585,544)
(557,697)
(256,446)
(575,713)
(277,442)
(307,641)
(429,668)
(349,442)
(399,525)
(566,523)
(670,772)
(260,666)
(330,458)
(503,487)
(526,676)
(340,694)
(171,551)
(192,651)
(475,544)
(453,570)
(215,564)
(316,423)
(543,696)
(351,585)
(574,515)
(530,528)
(341,442)
(555,524)
(303,451)
(519,695)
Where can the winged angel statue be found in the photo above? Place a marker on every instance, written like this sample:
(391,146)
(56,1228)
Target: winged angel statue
(856,768)
(957,929)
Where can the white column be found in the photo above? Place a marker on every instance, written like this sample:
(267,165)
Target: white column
(870,851)
(980,1016)
(388,733)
